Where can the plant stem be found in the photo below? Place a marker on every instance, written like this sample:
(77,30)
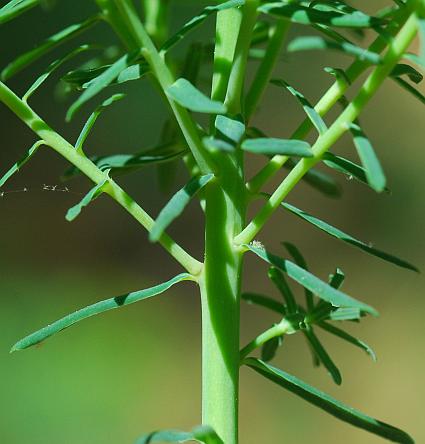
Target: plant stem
(220,292)
(156,14)
(327,101)
(277,330)
(265,69)
(85,165)
(238,72)
(397,48)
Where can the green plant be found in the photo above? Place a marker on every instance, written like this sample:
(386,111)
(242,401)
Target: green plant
(213,154)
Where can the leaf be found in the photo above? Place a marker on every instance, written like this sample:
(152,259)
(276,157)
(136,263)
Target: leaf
(52,42)
(93,194)
(95,309)
(177,204)
(345,314)
(264,301)
(347,337)
(276,276)
(318,287)
(51,68)
(197,20)
(20,163)
(188,96)
(336,280)
(319,180)
(308,108)
(92,119)
(232,129)
(15,8)
(323,355)
(213,144)
(101,82)
(272,146)
(409,88)
(307,15)
(204,434)
(345,166)
(327,403)
(133,72)
(299,260)
(338,234)
(401,69)
(373,170)
(421,26)
(318,43)
(269,348)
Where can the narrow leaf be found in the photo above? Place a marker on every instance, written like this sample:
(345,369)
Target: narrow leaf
(272,146)
(307,16)
(92,119)
(264,301)
(345,314)
(338,234)
(20,163)
(347,337)
(318,43)
(214,144)
(188,96)
(311,282)
(323,355)
(308,108)
(95,309)
(197,20)
(177,204)
(52,42)
(410,89)
(276,276)
(337,279)
(232,129)
(327,403)
(269,348)
(15,8)
(94,193)
(51,68)
(401,69)
(101,82)
(374,173)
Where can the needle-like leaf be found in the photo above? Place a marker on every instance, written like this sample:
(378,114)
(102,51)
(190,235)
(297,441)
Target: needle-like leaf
(264,301)
(318,287)
(327,403)
(272,146)
(15,8)
(177,204)
(95,309)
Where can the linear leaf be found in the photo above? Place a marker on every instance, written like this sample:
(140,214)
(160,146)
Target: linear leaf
(101,82)
(338,234)
(323,355)
(318,43)
(188,96)
(51,68)
(50,43)
(411,89)
(93,194)
(347,337)
(232,129)
(277,277)
(21,162)
(197,20)
(264,301)
(327,403)
(214,144)
(308,108)
(373,170)
(319,180)
(177,204)
(401,69)
(269,348)
(307,16)
(15,8)
(133,72)
(272,146)
(318,287)
(95,309)
(93,117)
(345,314)
(337,279)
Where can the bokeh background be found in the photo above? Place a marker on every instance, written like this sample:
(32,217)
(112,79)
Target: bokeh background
(137,369)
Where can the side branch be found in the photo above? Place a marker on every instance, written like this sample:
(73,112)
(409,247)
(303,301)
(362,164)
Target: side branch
(78,159)
(397,48)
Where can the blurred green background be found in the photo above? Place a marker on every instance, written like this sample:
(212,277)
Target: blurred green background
(137,369)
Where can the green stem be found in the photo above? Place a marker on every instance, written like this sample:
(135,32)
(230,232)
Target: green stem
(86,166)
(165,79)
(265,69)
(156,17)
(277,330)
(327,101)
(220,292)
(397,48)
(238,72)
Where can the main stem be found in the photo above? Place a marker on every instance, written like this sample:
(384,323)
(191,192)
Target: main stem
(220,290)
